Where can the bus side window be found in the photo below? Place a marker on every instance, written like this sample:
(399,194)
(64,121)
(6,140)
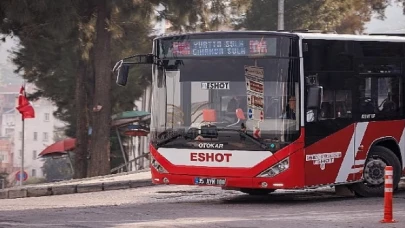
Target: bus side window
(337,96)
(388,96)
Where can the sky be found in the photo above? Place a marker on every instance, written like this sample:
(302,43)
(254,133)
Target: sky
(394,14)
(6,67)
(5,48)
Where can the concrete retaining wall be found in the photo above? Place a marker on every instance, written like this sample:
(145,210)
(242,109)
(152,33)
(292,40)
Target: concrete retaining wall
(37,191)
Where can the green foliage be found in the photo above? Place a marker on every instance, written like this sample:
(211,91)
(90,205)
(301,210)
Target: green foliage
(52,43)
(57,37)
(347,16)
(48,53)
(200,15)
(57,169)
(53,36)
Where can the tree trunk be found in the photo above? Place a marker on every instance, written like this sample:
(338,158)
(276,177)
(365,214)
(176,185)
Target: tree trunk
(99,163)
(82,139)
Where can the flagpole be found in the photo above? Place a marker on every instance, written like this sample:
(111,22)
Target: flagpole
(22,145)
(27,111)
(22,152)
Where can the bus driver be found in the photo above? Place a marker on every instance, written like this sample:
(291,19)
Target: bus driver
(290,109)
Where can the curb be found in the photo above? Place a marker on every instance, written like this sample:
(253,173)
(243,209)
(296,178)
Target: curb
(33,191)
(103,177)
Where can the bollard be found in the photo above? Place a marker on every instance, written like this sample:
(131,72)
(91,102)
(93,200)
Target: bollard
(388,192)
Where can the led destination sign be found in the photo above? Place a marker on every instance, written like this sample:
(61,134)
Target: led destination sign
(219,47)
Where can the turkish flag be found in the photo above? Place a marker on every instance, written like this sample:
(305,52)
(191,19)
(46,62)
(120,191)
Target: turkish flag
(24,106)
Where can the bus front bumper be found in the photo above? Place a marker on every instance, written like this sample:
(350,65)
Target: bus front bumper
(218,181)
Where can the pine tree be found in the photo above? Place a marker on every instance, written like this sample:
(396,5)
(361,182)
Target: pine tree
(346,16)
(66,46)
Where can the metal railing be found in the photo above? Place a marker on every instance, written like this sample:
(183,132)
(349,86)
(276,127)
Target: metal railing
(136,163)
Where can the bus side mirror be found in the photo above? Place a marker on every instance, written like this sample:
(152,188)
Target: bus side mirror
(122,76)
(122,68)
(314,97)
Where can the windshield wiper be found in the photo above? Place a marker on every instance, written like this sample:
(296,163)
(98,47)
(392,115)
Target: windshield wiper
(246,135)
(173,136)
(193,132)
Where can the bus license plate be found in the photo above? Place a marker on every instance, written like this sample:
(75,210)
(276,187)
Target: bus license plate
(209,181)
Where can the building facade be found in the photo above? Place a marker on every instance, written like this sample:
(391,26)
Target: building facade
(38,134)
(6,155)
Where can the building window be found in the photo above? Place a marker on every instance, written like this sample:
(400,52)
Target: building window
(35,136)
(45,137)
(20,135)
(47,117)
(34,154)
(20,152)
(34,173)
(9,131)
(3,158)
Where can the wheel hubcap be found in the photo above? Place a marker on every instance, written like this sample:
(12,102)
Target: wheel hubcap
(374,171)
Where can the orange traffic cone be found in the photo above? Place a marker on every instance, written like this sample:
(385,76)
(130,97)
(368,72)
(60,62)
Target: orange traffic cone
(388,192)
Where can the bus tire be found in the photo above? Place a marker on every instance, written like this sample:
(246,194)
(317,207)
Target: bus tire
(256,191)
(373,173)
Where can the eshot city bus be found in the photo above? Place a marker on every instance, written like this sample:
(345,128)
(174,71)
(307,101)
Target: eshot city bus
(258,111)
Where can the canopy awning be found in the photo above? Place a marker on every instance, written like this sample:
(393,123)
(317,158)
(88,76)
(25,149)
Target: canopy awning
(118,120)
(128,117)
(59,148)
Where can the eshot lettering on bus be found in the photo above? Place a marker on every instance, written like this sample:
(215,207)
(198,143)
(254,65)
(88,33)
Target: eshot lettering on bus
(210,157)
(215,85)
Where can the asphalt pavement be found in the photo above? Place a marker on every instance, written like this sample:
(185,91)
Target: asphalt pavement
(189,206)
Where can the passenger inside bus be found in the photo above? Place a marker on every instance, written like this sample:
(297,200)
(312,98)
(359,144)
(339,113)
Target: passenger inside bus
(236,102)
(242,103)
(290,108)
(388,105)
(232,105)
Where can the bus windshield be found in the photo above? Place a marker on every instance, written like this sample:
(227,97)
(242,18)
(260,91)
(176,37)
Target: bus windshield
(207,85)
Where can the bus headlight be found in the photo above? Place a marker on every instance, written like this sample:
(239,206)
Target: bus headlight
(276,169)
(155,164)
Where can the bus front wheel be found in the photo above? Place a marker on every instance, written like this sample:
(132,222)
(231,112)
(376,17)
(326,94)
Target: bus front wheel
(373,173)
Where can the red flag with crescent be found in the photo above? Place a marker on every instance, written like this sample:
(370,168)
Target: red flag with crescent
(24,106)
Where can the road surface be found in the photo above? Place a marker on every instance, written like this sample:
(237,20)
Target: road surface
(189,206)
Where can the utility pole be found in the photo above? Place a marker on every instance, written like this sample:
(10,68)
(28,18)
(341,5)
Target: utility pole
(280,15)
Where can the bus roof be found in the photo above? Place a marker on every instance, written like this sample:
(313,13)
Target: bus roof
(225,32)
(303,35)
(322,36)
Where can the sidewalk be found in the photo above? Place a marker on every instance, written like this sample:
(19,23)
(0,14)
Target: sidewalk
(94,184)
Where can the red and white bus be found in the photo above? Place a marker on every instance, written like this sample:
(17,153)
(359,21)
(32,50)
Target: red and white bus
(258,111)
